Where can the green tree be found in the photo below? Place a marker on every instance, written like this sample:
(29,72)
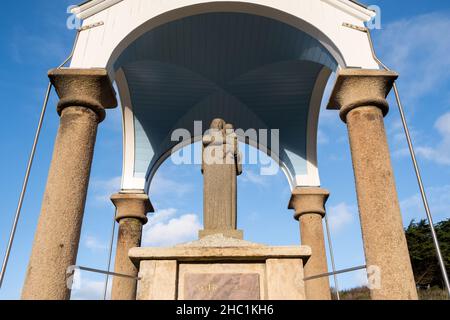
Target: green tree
(423,254)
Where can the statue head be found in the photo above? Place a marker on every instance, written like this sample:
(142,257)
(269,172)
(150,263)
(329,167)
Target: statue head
(217,124)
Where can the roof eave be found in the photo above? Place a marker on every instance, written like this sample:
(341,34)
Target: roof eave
(353,7)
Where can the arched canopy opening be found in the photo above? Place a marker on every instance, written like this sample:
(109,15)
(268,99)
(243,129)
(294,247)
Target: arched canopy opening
(175,190)
(258,66)
(252,71)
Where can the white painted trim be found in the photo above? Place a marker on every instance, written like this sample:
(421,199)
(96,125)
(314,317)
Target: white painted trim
(95,6)
(80,8)
(128,179)
(353,9)
(129,19)
(125,20)
(92,8)
(312,177)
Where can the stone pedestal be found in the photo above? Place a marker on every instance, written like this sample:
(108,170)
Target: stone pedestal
(309,206)
(132,209)
(221,268)
(361,97)
(84,94)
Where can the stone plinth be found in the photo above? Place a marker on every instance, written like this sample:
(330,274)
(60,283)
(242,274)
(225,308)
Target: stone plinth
(220,268)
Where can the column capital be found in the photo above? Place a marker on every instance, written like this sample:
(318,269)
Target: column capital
(308,200)
(132,205)
(89,88)
(356,88)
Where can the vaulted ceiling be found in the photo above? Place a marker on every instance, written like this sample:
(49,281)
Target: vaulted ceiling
(252,71)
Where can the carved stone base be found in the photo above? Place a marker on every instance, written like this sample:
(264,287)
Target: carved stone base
(218,267)
(236,234)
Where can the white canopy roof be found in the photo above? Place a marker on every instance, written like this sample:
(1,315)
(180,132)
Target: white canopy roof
(142,42)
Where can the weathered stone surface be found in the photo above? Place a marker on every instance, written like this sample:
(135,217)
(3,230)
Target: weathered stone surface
(280,269)
(360,94)
(359,87)
(221,286)
(132,209)
(220,168)
(285,279)
(311,229)
(89,88)
(257,253)
(158,280)
(308,201)
(132,205)
(219,240)
(83,96)
(230,233)
(309,206)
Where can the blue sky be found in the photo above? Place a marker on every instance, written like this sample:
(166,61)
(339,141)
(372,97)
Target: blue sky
(413,41)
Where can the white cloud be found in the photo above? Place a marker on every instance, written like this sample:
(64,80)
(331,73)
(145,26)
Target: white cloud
(249,176)
(440,153)
(253,216)
(104,189)
(164,231)
(418,48)
(161,215)
(94,244)
(397,138)
(26,47)
(161,185)
(89,289)
(443,125)
(322,137)
(439,200)
(340,216)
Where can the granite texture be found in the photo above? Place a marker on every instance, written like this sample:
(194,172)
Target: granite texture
(360,95)
(224,266)
(257,253)
(132,209)
(359,87)
(84,94)
(158,280)
(219,240)
(220,168)
(285,279)
(309,206)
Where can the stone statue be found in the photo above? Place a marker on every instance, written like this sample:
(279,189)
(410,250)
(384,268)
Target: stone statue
(221,164)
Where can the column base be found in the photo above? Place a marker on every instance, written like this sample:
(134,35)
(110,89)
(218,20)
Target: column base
(236,234)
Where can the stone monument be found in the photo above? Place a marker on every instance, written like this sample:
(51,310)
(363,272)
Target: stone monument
(221,265)
(220,167)
(221,268)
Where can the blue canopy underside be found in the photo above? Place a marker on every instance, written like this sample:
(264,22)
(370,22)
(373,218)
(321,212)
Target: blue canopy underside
(252,71)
